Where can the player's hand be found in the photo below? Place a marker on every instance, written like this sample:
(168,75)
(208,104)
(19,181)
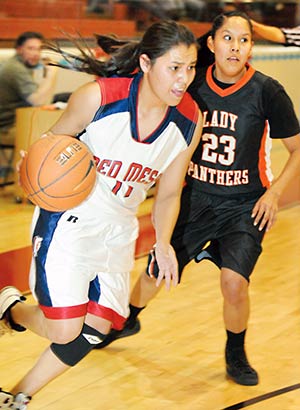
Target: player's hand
(19,163)
(265,210)
(167,264)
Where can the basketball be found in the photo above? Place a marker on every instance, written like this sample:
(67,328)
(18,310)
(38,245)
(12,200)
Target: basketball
(57,173)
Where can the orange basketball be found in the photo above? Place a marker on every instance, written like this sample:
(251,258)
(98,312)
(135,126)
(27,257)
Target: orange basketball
(58,172)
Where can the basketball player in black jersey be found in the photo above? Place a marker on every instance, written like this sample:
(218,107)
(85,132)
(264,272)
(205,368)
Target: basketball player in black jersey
(229,199)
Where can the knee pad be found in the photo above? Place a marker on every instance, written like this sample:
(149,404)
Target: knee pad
(71,353)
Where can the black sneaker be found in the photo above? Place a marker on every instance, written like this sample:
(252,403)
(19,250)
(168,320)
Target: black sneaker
(130,328)
(238,368)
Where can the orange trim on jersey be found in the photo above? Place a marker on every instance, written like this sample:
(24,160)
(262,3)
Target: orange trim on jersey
(108,314)
(64,312)
(232,89)
(262,159)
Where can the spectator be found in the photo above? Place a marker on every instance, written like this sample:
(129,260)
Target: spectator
(18,85)
(286,36)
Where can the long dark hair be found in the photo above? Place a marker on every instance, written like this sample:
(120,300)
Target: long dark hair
(124,55)
(205,56)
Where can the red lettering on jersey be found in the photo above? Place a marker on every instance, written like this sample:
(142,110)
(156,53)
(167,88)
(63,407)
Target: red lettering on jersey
(145,172)
(128,192)
(153,176)
(103,166)
(108,167)
(114,169)
(117,187)
(133,172)
(137,173)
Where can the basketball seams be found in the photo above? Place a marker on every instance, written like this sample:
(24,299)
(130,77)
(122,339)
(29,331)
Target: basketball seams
(64,175)
(51,155)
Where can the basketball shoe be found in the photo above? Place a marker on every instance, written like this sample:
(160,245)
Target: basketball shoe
(131,328)
(17,402)
(9,296)
(238,368)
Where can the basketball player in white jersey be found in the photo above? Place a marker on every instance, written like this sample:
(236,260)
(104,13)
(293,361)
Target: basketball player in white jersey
(142,129)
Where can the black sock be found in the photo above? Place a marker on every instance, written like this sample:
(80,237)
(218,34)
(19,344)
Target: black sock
(134,312)
(235,340)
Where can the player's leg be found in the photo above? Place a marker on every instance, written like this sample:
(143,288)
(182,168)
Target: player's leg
(61,322)
(112,303)
(76,340)
(190,234)
(66,353)
(47,368)
(143,292)
(239,246)
(68,338)
(17,315)
(50,364)
(57,359)
(236,315)
(236,300)
(240,252)
(66,334)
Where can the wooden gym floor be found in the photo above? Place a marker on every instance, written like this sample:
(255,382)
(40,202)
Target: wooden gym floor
(176,362)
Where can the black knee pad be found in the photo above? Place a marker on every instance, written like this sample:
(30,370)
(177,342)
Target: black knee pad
(71,353)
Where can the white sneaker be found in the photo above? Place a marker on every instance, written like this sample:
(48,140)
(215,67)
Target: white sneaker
(20,401)
(6,399)
(17,402)
(9,296)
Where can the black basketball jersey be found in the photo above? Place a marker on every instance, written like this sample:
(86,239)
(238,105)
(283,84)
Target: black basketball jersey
(233,157)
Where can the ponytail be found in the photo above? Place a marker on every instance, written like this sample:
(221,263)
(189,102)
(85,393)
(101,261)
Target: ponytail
(205,56)
(123,56)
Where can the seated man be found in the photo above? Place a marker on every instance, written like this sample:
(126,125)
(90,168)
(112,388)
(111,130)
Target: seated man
(20,87)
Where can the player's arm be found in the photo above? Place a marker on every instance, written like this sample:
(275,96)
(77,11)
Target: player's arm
(270,33)
(265,210)
(45,89)
(80,110)
(166,209)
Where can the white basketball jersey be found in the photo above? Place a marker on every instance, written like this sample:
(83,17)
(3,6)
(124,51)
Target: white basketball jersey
(127,167)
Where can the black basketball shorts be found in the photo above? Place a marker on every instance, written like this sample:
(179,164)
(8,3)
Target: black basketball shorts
(225,222)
